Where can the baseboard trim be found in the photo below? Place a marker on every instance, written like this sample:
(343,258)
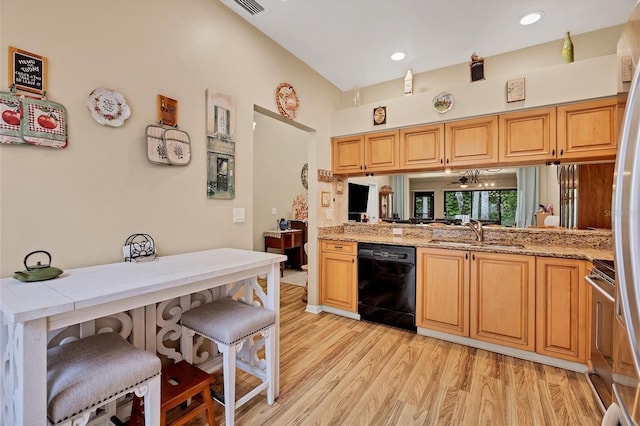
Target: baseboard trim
(517,353)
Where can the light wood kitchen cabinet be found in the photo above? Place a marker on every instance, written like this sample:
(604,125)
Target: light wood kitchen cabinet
(622,355)
(561,308)
(503,299)
(422,147)
(527,137)
(369,153)
(338,275)
(588,130)
(442,290)
(471,142)
(348,154)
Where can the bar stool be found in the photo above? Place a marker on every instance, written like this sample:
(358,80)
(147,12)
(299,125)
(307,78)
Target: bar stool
(180,383)
(89,373)
(231,324)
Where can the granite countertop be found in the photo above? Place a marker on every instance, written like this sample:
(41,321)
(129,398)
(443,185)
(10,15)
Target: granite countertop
(573,251)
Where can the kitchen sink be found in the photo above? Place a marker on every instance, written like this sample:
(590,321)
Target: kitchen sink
(453,243)
(501,245)
(495,244)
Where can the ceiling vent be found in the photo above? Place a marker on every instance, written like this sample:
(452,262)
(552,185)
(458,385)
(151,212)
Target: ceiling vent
(251,6)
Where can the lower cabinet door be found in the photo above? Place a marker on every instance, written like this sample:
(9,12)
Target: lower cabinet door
(503,299)
(442,290)
(561,309)
(339,281)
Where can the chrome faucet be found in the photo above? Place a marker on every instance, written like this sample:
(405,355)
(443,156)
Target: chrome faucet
(476,226)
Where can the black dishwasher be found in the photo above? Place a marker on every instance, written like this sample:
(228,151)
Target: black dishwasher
(387,284)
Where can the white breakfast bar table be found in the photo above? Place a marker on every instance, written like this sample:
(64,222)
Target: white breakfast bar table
(141,301)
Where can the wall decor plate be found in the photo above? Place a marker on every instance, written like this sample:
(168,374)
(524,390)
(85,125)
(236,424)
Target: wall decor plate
(443,102)
(108,107)
(287,100)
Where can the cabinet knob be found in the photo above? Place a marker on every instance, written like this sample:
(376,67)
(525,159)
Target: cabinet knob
(553,152)
(466,256)
(561,152)
(473,257)
(441,161)
(447,161)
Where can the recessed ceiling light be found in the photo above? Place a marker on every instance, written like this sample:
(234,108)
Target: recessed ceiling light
(398,56)
(531,18)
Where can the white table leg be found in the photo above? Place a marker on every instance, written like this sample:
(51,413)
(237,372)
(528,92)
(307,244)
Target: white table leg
(273,302)
(24,388)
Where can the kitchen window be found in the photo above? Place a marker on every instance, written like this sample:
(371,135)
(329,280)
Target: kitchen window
(496,206)
(423,204)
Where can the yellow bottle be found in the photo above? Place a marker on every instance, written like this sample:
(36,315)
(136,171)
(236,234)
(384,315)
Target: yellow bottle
(567,49)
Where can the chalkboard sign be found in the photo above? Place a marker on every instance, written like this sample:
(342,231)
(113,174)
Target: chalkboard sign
(27,71)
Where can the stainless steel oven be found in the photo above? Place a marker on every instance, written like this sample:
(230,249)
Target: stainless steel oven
(603,316)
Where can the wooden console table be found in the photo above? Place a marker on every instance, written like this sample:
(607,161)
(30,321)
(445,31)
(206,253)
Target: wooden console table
(285,240)
(142,294)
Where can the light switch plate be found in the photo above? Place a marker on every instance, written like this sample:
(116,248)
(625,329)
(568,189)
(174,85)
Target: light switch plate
(274,210)
(238,215)
(397,231)
(329,214)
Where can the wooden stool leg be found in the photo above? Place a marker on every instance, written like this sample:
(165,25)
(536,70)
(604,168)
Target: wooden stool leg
(206,396)
(137,417)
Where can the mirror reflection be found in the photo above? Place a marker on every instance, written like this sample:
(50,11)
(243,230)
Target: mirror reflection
(506,197)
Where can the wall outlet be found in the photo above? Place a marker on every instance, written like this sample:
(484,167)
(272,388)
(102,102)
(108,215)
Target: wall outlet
(329,214)
(397,231)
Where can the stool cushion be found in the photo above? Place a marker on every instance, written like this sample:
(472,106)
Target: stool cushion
(228,321)
(86,372)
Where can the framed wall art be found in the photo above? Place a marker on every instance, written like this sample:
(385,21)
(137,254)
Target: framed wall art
(221,146)
(515,90)
(326,199)
(379,115)
(27,71)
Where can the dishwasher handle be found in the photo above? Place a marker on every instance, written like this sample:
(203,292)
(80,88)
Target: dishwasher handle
(399,256)
(591,279)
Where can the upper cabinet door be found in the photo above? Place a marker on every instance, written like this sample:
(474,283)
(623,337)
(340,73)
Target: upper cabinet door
(588,130)
(527,137)
(382,151)
(472,142)
(348,154)
(422,147)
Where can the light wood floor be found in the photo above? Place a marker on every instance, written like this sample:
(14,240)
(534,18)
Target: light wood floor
(337,371)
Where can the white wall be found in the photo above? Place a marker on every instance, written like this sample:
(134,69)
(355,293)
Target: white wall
(280,152)
(587,46)
(81,203)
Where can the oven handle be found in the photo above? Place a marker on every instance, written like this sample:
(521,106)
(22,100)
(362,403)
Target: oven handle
(590,279)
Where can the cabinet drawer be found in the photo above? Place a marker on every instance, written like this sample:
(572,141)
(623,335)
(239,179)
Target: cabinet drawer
(339,247)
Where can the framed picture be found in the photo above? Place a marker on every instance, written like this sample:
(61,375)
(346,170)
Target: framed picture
(339,185)
(326,199)
(380,115)
(476,66)
(27,71)
(221,146)
(515,90)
